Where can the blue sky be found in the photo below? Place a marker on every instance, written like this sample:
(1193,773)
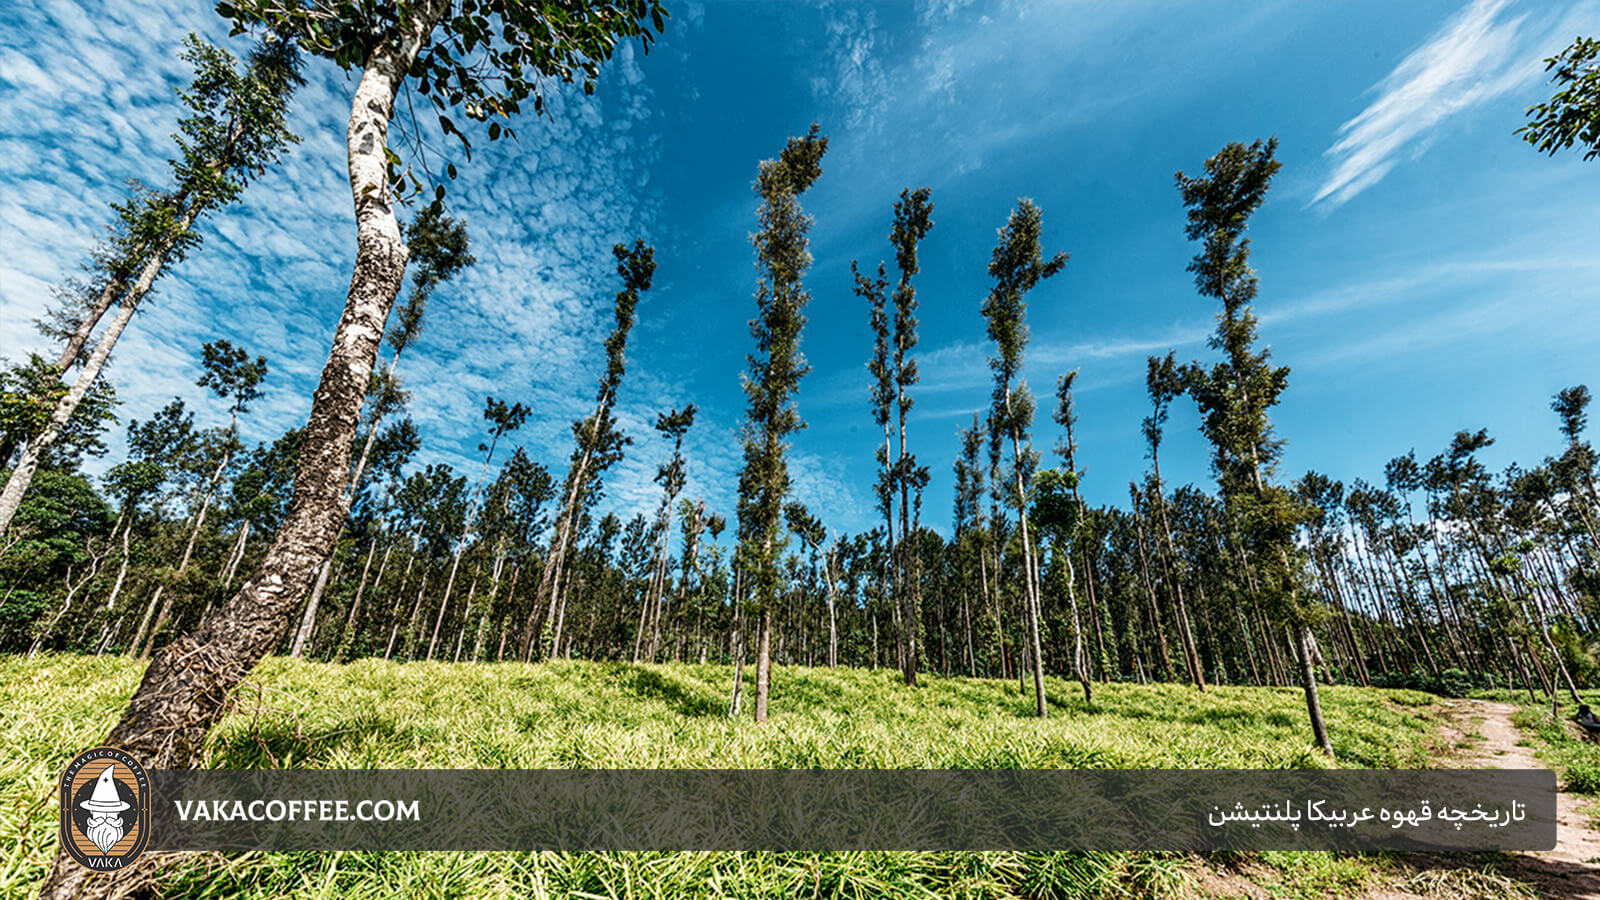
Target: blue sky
(1422,269)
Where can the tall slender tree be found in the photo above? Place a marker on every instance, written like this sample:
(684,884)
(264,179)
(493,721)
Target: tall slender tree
(775,370)
(230,374)
(913,219)
(503,419)
(236,126)
(881,395)
(1017,266)
(599,445)
(672,477)
(969,532)
(1067,449)
(1164,382)
(1235,395)
(1067,517)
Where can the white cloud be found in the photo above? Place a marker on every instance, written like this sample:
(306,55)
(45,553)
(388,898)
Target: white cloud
(87,102)
(854,77)
(1474,57)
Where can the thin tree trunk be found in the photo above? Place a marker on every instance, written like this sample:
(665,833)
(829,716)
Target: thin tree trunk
(736,641)
(1308,677)
(399,599)
(308,618)
(72,591)
(1169,552)
(1041,706)
(33,453)
(80,336)
(1150,597)
(237,556)
(1078,661)
(555,559)
(1102,660)
(355,605)
(763,664)
(122,575)
(412,621)
(444,603)
(833,620)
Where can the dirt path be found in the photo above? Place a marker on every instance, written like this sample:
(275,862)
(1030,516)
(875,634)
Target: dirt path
(1478,735)
(1572,869)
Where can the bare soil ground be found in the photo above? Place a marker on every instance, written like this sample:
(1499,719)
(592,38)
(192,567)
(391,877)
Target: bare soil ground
(1572,869)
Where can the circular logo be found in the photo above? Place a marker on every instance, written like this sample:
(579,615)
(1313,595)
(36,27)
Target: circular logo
(105,809)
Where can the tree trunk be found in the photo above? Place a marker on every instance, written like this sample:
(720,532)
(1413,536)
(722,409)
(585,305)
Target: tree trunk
(72,591)
(1308,678)
(308,619)
(1102,660)
(237,556)
(410,648)
(33,453)
(556,557)
(1169,551)
(444,603)
(833,620)
(1150,598)
(1078,662)
(346,633)
(186,686)
(122,574)
(1031,573)
(188,553)
(736,641)
(307,623)
(763,664)
(92,316)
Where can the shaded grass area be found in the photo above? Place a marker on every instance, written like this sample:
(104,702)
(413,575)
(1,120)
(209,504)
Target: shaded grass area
(613,715)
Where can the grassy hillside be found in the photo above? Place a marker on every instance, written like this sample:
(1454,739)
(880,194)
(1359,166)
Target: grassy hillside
(579,714)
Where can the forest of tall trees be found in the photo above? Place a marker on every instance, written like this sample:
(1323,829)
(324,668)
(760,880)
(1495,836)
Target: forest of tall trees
(330,542)
(1436,572)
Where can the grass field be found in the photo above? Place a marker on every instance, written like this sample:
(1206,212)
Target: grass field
(602,715)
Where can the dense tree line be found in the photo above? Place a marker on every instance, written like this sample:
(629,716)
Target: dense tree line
(1436,573)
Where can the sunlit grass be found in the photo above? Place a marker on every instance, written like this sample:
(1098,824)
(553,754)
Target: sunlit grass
(605,715)
(1575,760)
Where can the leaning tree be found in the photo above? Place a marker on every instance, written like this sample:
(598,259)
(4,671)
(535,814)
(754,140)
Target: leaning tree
(484,57)
(237,125)
(1235,395)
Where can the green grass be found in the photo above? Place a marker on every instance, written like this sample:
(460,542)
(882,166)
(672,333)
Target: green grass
(603,715)
(1576,761)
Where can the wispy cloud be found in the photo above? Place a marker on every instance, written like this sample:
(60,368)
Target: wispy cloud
(1474,57)
(855,79)
(96,90)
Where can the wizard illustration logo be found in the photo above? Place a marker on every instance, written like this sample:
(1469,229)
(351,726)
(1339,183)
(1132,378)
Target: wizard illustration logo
(105,808)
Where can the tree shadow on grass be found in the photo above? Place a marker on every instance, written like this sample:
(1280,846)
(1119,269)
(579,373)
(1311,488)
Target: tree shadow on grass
(684,698)
(1238,717)
(286,743)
